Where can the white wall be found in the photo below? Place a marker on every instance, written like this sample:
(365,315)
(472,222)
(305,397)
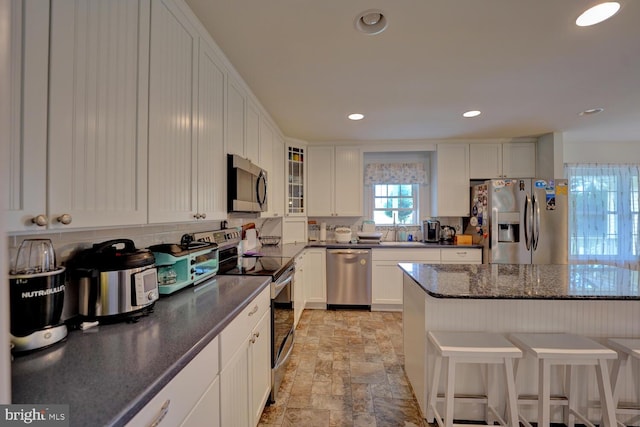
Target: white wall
(593,152)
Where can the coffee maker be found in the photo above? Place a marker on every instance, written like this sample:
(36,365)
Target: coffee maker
(36,297)
(431,230)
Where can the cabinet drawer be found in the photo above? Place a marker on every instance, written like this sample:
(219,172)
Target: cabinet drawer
(461,256)
(239,329)
(406,255)
(175,401)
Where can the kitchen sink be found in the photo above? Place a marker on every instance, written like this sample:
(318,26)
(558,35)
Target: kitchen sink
(402,244)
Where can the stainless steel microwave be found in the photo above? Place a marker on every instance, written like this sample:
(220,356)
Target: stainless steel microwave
(246,185)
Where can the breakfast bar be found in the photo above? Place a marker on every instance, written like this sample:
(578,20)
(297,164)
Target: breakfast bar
(596,301)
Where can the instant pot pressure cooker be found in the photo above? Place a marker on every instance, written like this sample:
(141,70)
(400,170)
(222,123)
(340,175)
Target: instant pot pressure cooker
(115,279)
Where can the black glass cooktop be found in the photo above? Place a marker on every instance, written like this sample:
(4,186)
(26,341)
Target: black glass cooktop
(259,266)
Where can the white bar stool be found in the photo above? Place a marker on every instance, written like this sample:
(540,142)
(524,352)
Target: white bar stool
(472,347)
(568,350)
(626,347)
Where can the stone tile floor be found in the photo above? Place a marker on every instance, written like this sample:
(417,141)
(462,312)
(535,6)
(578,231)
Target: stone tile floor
(346,369)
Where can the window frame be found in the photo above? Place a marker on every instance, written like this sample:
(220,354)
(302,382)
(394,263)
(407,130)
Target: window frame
(415,196)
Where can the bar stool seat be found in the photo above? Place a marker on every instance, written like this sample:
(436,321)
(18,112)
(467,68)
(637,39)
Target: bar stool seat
(475,348)
(626,348)
(569,350)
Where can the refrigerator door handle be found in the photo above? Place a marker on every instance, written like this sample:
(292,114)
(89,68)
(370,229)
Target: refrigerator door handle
(527,220)
(535,235)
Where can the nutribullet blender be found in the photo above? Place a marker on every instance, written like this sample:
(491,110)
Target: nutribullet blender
(36,291)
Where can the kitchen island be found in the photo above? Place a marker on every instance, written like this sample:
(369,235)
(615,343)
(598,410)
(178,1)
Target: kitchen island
(593,300)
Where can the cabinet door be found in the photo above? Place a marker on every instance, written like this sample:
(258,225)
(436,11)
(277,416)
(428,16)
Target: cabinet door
(211,164)
(485,161)
(266,162)
(235,118)
(23,166)
(260,366)
(315,274)
(207,410)
(461,256)
(348,181)
(172,104)
(320,169)
(386,286)
(277,186)
(519,160)
(451,186)
(252,129)
(295,178)
(234,389)
(294,230)
(98,103)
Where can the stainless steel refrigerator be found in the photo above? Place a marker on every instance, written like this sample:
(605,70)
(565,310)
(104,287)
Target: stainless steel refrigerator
(523,221)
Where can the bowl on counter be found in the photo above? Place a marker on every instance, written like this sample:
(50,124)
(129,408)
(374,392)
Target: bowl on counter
(269,240)
(342,234)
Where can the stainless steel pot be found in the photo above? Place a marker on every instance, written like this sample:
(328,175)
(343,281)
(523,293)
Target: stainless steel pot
(114,279)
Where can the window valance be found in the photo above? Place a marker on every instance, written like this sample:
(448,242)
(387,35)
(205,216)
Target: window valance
(394,173)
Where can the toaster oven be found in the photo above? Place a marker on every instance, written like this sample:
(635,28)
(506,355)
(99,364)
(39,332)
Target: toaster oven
(180,266)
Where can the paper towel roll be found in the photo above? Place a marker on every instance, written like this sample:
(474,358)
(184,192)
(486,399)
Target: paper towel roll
(323,232)
(251,236)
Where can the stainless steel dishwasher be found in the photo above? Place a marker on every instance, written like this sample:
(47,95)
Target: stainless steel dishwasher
(348,278)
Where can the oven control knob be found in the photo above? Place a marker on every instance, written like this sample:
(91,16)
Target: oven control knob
(152,296)
(193,261)
(193,271)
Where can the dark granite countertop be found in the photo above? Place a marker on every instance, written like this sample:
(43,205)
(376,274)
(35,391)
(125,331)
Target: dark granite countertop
(510,281)
(390,244)
(108,373)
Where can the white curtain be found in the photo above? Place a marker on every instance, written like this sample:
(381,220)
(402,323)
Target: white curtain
(603,214)
(394,173)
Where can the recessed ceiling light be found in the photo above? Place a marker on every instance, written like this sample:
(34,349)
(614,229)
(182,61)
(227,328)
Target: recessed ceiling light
(371,22)
(591,111)
(598,13)
(472,113)
(356,116)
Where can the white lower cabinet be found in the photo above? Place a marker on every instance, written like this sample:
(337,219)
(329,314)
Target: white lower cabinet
(461,256)
(245,377)
(386,286)
(298,290)
(315,278)
(190,397)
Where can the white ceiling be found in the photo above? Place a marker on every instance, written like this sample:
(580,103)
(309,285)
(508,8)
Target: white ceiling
(524,63)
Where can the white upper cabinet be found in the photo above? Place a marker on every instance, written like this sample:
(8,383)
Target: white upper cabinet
(252,142)
(519,160)
(172,111)
(334,181)
(23,166)
(187,167)
(83,69)
(211,158)
(272,160)
(450,185)
(235,117)
(502,160)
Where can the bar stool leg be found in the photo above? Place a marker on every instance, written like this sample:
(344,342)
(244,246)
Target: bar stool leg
(606,395)
(433,396)
(571,409)
(619,366)
(512,400)
(449,393)
(544,392)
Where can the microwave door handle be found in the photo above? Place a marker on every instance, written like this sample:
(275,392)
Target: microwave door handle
(261,184)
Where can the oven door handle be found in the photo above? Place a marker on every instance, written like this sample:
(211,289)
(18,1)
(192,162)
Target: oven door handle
(283,360)
(281,285)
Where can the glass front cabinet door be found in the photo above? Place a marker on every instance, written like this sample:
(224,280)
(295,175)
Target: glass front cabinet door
(295,181)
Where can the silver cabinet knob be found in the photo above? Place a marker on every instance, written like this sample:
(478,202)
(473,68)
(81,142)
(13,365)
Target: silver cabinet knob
(196,216)
(64,219)
(40,220)
(203,216)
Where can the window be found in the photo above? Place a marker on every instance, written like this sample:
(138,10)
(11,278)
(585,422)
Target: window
(395,187)
(395,203)
(604,213)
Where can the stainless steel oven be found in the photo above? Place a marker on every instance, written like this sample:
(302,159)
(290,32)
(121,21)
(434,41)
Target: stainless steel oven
(282,330)
(282,272)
